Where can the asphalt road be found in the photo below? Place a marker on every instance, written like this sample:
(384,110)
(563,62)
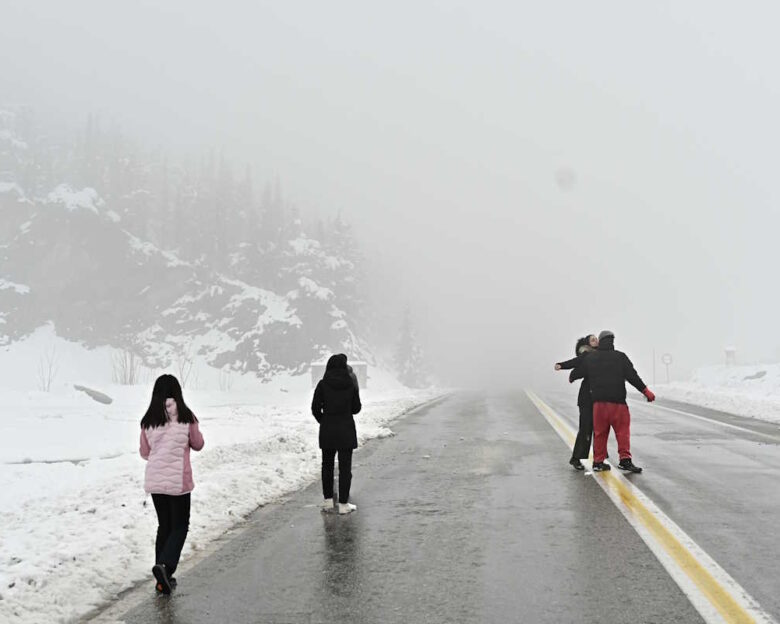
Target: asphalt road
(469,514)
(717,479)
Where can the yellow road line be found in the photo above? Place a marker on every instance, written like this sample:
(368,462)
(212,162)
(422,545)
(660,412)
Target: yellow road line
(717,596)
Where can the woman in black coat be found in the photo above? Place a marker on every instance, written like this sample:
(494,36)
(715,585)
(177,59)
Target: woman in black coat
(582,444)
(336,399)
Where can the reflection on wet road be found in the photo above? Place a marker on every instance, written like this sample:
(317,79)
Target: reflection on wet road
(469,514)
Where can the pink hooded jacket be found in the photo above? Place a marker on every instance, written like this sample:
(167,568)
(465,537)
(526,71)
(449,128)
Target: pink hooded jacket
(167,451)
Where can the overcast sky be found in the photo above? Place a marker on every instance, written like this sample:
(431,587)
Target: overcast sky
(529,171)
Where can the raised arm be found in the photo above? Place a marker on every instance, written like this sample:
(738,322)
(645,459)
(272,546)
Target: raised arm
(569,364)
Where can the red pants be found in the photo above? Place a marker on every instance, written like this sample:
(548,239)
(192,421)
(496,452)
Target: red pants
(617,416)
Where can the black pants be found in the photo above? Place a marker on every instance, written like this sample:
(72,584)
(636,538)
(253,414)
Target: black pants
(581,448)
(345,473)
(173,522)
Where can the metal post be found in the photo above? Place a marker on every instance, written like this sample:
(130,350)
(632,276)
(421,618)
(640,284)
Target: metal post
(654,367)
(667,359)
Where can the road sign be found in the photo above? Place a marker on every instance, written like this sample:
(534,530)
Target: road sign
(666,358)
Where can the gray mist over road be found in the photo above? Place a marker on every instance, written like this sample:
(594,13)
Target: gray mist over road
(520,173)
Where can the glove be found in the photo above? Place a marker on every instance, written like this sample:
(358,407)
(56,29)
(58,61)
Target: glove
(648,393)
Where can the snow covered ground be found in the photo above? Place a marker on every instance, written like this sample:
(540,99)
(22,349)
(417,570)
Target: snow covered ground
(752,391)
(77,527)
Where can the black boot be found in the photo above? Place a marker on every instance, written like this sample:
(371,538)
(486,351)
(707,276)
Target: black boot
(158,586)
(160,572)
(628,466)
(577,464)
(601,467)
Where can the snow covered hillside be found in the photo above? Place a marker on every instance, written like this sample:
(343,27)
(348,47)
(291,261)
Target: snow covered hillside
(752,391)
(77,527)
(117,266)
(167,265)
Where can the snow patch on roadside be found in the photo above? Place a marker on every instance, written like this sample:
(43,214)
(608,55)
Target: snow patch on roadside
(77,526)
(752,391)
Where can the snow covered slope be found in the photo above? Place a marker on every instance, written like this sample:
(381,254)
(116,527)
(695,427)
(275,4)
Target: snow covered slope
(116,248)
(752,391)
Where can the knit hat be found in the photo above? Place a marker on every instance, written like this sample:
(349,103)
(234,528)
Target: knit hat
(605,334)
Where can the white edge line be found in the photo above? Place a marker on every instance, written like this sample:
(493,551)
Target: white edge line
(689,588)
(709,420)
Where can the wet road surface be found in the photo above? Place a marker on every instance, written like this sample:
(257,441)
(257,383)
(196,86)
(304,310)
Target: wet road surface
(718,479)
(468,514)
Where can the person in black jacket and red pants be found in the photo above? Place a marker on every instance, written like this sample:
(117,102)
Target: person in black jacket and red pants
(607,370)
(336,399)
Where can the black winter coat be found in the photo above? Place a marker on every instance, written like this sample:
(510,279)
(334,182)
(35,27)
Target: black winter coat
(607,371)
(336,399)
(583,398)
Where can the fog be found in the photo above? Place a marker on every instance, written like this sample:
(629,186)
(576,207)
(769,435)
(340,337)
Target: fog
(521,173)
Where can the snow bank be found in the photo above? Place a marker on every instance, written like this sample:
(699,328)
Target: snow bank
(752,391)
(77,526)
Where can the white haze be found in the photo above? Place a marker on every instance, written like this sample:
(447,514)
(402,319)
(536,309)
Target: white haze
(525,171)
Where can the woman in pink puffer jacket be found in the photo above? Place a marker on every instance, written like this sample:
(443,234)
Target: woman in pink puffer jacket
(169,430)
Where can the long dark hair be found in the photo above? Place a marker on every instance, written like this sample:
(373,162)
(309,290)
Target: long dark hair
(582,342)
(166,387)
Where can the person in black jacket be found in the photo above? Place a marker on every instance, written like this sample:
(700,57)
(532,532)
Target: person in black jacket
(607,370)
(336,399)
(581,449)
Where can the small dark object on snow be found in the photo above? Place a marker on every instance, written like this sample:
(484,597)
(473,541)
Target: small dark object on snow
(601,467)
(94,394)
(757,375)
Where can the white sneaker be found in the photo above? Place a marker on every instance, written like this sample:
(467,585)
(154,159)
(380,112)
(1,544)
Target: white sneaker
(345,508)
(327,505)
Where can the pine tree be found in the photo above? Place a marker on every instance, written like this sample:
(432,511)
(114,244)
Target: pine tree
(409,356)
(273,213)
(249,221)
(224,206)
(347,278)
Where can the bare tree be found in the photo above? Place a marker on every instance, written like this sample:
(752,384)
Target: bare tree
(47,368)
(149,374)
(126,367)
(194,380)
(225,379)
(184,366)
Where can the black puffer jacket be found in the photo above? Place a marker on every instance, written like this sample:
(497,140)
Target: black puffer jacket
(583,398)
(607,371)
(336,399)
